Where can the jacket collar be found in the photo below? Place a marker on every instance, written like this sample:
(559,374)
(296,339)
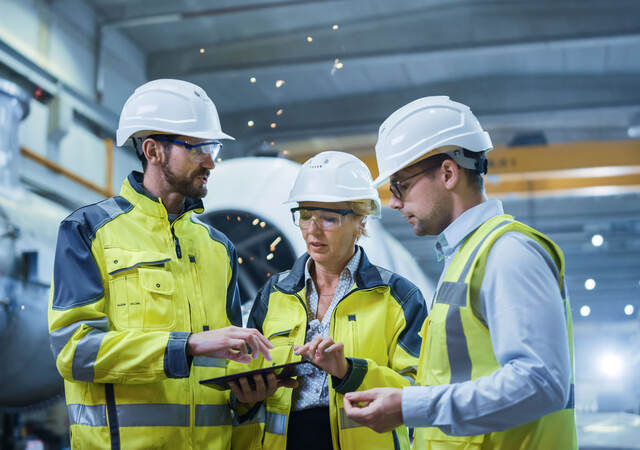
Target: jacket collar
(133,191)
(366,276)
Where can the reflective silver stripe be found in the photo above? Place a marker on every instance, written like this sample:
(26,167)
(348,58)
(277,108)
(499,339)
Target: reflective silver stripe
(212,415)
(259,417)
(153,415)
(455,295)
(205,361)
(85,355)
(410,380)
(467,266)
(451,293)
(59,338)
(276,423)
(346,422)
(90,415)
(457,350)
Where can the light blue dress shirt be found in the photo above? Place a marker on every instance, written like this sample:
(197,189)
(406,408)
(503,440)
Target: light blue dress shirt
(523,308)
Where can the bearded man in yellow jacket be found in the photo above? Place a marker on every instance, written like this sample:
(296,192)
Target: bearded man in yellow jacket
(144,301)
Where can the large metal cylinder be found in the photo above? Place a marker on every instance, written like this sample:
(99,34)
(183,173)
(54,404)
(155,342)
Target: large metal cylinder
(28,225)
(14,106)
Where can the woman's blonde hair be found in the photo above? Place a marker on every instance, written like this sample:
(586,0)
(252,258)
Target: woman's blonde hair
(362,208)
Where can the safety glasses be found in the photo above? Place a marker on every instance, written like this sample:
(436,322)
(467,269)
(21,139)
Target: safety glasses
(197,150)
(400,187)
(324,218)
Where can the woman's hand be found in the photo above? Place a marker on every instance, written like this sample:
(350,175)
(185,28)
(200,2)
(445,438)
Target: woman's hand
(326,354)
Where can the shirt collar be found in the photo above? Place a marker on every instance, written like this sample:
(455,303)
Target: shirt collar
(454,235)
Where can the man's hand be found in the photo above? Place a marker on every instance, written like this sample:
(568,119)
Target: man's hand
(381,408)
(229,343)
(245,394)
(326,354)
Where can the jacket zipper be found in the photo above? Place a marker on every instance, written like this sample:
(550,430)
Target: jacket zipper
(176,242)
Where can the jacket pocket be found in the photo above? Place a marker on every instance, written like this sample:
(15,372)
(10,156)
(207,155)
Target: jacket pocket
(141,290)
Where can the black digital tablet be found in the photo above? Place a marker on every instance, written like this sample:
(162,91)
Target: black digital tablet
(281,371)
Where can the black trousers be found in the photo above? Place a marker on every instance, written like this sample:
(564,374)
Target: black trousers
(309,429)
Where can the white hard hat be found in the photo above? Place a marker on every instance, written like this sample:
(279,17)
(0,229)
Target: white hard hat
(334,176)
(422,128)
(169,107)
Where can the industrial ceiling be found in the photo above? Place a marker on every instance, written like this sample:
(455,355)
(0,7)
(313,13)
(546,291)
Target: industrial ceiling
(304,76)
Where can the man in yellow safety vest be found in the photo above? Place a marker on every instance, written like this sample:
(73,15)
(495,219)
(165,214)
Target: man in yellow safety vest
(496,365)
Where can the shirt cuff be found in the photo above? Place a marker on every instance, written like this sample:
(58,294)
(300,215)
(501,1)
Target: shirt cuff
(353,379)
(417,410)
(177,364)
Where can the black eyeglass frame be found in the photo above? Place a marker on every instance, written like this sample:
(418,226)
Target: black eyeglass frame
(394,184)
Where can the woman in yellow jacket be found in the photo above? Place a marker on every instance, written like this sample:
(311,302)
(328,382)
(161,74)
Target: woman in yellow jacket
(357,321)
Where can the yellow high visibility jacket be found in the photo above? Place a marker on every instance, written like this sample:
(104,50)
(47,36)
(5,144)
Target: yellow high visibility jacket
(128,288)
(457,347)
(378,321)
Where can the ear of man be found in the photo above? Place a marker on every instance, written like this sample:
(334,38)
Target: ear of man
(153,151)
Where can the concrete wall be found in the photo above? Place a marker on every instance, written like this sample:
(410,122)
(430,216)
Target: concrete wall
(53,45)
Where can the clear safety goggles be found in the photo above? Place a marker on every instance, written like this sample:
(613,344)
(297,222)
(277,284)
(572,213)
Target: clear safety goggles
(197,150)
(324,218)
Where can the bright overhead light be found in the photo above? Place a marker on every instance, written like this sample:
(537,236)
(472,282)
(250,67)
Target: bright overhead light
(611,364)
(335,27)
(309,39)
(597,240)
(273,125)
(285,152)
(252,80)
(272,143)
(590,284)
(628,310)
(279,83)
(585,311)
(201,50)
(250,123)
(279,112)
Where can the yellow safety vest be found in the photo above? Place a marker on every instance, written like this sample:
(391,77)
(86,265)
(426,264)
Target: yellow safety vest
(457,347)
(128,287)
(378,321)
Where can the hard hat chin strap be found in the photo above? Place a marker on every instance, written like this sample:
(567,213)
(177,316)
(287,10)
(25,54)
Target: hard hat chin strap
(476,161)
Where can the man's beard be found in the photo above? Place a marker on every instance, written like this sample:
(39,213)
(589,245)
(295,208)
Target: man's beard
(185,185)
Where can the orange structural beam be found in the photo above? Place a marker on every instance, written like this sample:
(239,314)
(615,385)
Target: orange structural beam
(543,170)
(57,168)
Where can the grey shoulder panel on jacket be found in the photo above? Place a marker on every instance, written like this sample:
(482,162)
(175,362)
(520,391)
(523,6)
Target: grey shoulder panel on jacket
(414,308)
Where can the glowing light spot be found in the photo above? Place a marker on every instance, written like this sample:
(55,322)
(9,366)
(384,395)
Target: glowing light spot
(21,306)
(272,143)
(585,311)
(590,284)
(273,245)
(255,222)
(597,240)
(239,260)
(279,83)
(335,27)
(263,224)
(611,364)
(273,125)
(250,123)
(269,256)
(309,39)
(252,80)
(628,310)
(285,152)
(279,112)
(219,160)
(238,218)
(201,50)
